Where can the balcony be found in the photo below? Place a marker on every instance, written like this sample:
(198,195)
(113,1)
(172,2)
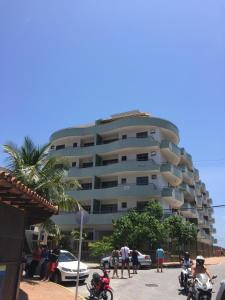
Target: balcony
(67,220)
(203,188)
(198,189)
(199,201)
(173,196)
(205,211)
(196,174)
(105,148)
(215,241)
(116,168)
(188,176)
(211,220)
(172,174)
(188,210)
(200,218)
(186,158)
(210,202)
(119,191)
(204,224)
(170,151)
(205,200)
(188,191)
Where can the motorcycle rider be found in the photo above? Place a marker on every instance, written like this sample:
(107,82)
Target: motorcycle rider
(196,269)
(186,263)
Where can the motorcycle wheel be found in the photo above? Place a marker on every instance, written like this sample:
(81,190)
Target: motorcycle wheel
(105,295)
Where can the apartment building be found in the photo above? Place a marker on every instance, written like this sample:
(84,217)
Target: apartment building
(125,161)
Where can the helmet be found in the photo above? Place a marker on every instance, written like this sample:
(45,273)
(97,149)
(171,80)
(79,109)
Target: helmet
(200,260)
(186,255)
(96,278)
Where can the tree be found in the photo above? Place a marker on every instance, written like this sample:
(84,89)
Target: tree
(43,174)
(180,231)
(101,248)
(140,229)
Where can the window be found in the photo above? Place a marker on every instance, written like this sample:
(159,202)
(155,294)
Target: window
(141,135)
(142,156)
(123,158)
(152,131)
(52,147)
(142,180)
(74,145)
(87,164)
(59,147)
(141,205)
(109,184)
(88,144)
(74,163)
(124,136)
(154,176)
(153,153)
(124,205)
(86,186)
(109,162)
(90,236)
(123,181)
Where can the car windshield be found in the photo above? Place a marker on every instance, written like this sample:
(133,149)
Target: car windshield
(66,256)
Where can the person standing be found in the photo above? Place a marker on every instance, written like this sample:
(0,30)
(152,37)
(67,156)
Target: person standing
(115,261)
(134,259)
(45,260)
(125,252)
(53,263)
(35,261)
(160,255)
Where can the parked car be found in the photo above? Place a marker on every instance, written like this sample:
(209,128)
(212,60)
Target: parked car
(143,261)
(66,269)
(221,292)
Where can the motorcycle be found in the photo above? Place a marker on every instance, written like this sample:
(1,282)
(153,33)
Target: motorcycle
(100,288)
(202,287)
(185,278)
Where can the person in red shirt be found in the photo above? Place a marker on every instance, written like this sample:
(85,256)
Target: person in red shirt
(35,261)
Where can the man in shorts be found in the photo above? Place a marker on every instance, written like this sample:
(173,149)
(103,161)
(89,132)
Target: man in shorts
(125,252)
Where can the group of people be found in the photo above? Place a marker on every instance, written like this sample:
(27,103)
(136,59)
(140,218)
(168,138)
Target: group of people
(125,253)
(46,258)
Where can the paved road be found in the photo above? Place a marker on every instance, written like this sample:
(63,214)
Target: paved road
(148,284)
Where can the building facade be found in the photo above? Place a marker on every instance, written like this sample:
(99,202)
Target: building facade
(125,161)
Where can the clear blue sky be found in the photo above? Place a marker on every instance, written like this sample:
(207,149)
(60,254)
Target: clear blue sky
(70,62)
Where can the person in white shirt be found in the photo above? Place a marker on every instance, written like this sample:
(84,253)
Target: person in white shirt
(125,252)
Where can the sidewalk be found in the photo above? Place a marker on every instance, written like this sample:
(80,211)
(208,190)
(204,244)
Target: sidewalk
(39,290)
(208,262)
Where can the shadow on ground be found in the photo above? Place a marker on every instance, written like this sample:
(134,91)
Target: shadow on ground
(23,295)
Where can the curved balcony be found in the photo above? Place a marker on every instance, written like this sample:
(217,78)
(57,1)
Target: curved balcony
(116,168)
(120,191)
(188,210)
(68,219)
(186,158)
(188,191)
(204,224)
(196,174)
(199,201)
(198,189)
(173,196)
(107,148)
(104,127)
(188,176)
(170,151)
(171,173)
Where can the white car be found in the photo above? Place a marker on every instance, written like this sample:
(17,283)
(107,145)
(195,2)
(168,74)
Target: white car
(143,261)
(67,268)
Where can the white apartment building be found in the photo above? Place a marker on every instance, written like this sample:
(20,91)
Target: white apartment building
(125,161)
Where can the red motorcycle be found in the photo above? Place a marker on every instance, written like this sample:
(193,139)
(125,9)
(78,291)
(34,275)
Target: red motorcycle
(100,288)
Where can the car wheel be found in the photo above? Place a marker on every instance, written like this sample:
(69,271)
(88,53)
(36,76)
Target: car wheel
(81,281)
(56,277)
(106,265)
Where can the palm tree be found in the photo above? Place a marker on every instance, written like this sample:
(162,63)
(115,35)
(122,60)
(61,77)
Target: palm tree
(43,174)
